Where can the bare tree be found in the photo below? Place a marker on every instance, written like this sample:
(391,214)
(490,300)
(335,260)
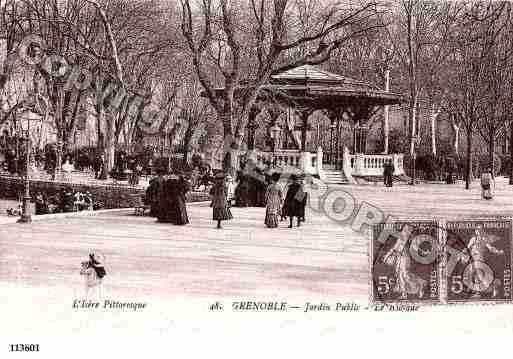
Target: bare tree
(224,27)
(473,44)
(496,99)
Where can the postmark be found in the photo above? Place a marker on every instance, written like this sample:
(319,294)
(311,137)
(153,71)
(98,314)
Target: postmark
(478,261)
(405,262)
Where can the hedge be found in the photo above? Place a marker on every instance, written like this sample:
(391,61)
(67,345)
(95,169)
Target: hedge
(110,196)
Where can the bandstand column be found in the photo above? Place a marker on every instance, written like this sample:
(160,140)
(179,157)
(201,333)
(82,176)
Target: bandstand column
(304,128)
(305,158)
(332,127)
(337,148)
(252,127)
(360,138)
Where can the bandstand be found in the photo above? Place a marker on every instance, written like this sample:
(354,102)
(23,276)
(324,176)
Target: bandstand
(306,89)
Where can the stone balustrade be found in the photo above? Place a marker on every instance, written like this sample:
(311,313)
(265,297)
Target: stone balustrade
(312,163)
(308,162)
(282,158)
(372,165)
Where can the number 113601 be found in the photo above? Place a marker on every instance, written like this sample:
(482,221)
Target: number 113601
(24,347)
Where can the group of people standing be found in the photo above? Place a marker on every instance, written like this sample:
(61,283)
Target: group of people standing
(167,200)
(292,205)
(166,197)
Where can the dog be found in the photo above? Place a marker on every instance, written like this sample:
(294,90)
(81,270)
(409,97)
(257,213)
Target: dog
(93,272)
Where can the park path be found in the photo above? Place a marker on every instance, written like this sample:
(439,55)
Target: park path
(145,257)
(180,271)
(322,258)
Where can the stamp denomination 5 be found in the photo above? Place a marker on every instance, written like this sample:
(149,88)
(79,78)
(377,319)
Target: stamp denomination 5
(405,262)
(478,266)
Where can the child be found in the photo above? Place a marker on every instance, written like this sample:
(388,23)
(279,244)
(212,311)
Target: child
(220,208)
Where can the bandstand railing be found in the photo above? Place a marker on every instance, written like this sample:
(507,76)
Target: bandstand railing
(373,165)
(312,162)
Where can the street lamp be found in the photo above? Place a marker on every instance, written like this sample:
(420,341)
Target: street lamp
(416,142)
(26,117)
(275,132)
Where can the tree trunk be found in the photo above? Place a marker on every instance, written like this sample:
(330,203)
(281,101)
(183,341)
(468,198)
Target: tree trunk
(229,158)
(456,138)
(59,119)
(468,179)
(413,122)
(491,152)
(109,148)
(434,116)
(511,152)
(412,72)
(386,128)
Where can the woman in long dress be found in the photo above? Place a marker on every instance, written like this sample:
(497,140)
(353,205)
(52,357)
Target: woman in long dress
(273,200)
(295,201)
(486,184)
(220,209)
(479,247)
(173,207)
(153,193)
(407,282)
(167,202)
(182,187)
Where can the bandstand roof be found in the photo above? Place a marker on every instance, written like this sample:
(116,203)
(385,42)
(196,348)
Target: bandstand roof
(318,89)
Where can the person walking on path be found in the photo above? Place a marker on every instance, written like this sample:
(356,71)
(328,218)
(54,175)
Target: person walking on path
(486,184)
(304,195)
(284,190)
(220,209)
(273,200)
(388,173)
(295,201)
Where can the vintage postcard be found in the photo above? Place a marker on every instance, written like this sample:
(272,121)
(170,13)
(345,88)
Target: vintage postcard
(256,178)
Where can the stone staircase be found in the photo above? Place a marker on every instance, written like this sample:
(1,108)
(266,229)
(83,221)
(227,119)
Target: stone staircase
(335,177)
(402,179)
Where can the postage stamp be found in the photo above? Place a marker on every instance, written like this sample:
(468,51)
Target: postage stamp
(405,262)
(478,261)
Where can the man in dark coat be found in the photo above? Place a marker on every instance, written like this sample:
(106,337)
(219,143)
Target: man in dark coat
(295,201)
(154,190)
(388,172)
(241,191)
(172,201)
(304,198)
